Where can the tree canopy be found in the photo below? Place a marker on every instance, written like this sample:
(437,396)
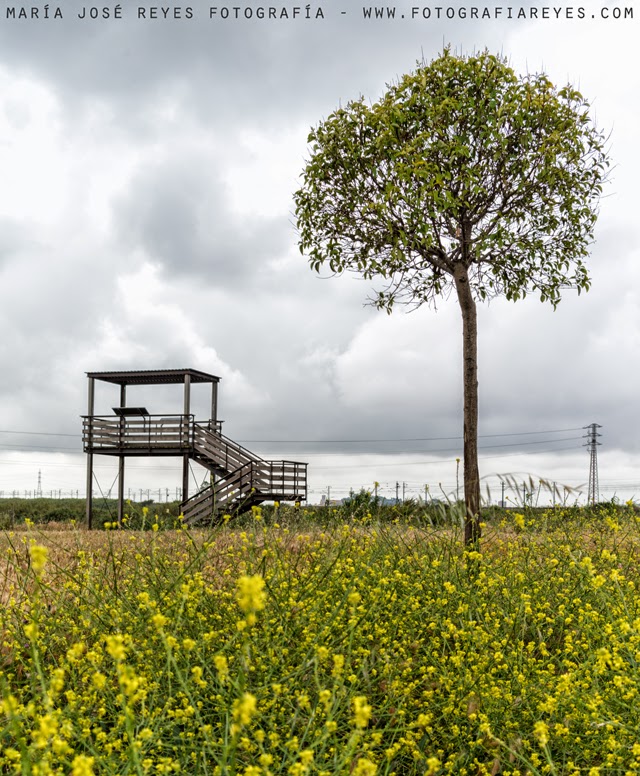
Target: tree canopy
(461,160)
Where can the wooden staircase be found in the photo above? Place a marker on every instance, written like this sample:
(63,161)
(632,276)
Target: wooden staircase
(242,478)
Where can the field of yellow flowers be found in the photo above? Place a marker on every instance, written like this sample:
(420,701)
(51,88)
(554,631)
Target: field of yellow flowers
(353,649)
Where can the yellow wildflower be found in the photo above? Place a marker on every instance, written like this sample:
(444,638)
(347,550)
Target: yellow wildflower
(541,733)
(222,667)
(159,620)
(306,756)
(244,708)
(364,767)
(99,680)
(38,555)
(361,711)
(75,652)
(31,631)
(251,596)
(47,727)
(433,764)
(115,646)
(82,765)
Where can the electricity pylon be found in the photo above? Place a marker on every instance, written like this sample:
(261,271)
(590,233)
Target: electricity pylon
(591,436)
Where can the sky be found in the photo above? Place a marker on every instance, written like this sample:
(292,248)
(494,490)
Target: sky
(147,173)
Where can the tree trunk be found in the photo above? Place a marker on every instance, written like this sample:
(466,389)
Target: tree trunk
(470,379)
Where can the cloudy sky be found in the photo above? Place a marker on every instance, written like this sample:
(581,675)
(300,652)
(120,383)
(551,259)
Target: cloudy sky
(147,167)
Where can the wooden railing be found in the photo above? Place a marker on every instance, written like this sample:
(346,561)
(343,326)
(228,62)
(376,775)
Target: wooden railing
(280,479)
(265,479)
(252,483)
(108,433)
(104,433)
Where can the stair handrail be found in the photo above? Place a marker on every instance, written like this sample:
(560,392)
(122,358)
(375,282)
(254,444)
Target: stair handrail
(223,443)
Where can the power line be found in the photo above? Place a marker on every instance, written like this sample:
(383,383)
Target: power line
(38,433)
(429,463)
(334,441)
(445,449)
(39,447)
(394,452)
(399,452)
(5,462)
(403,439)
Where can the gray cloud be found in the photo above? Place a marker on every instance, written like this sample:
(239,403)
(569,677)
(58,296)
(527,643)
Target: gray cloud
(12,238)
(178,214)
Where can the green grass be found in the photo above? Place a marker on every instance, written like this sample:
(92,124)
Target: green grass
(349,645)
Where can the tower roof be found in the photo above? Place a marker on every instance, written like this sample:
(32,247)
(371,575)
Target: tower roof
(154,376)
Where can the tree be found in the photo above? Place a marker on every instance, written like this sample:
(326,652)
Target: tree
(463,176)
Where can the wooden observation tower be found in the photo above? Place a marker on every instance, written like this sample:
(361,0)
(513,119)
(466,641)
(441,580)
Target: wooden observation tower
(240,479)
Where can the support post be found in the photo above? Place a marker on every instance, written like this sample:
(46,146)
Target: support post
(214,405)
(187,394)
(90,409)
(123,403)
(185,457)
(120,490)
(185,477)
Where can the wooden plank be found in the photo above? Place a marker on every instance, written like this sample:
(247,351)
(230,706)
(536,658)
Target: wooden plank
(200,499)
(228,453)
(225,458)
(138,433)
(101,429)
